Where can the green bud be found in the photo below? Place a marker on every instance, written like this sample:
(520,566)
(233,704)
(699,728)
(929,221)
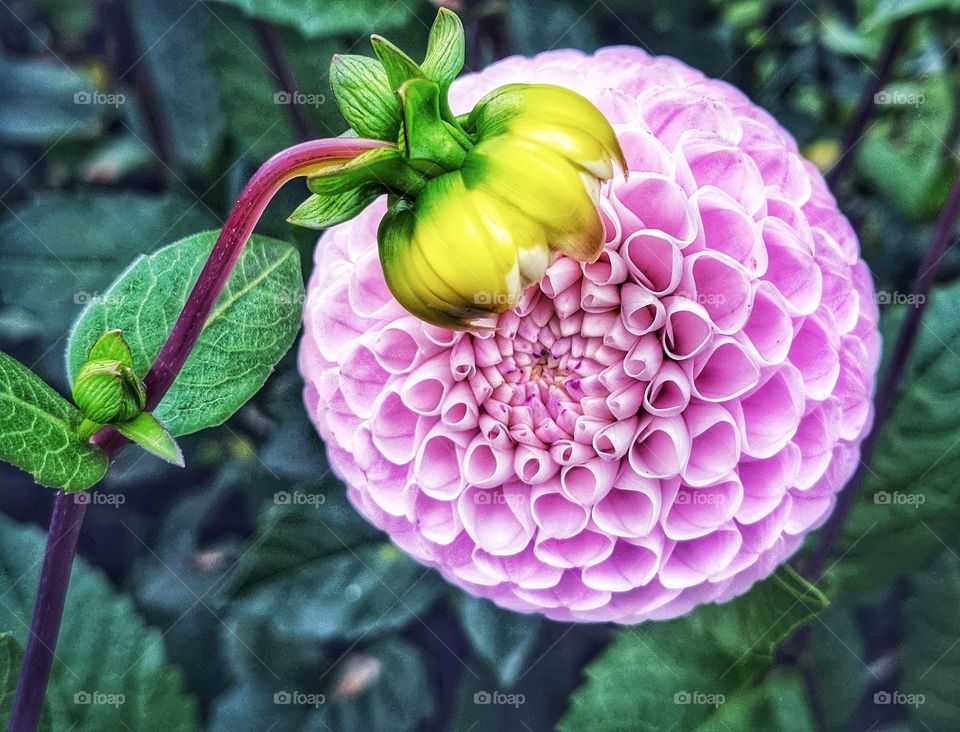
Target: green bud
(106,390)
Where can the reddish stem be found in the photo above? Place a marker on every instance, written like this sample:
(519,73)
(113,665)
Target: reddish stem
(68,513)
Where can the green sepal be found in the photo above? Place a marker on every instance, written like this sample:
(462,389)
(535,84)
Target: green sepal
(150,433)
(383,166)
(321,212)
(398,65)
(365,97)
(445,49)
(429,142)
(111,345)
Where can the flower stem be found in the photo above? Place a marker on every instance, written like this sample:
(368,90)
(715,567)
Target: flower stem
(68,513)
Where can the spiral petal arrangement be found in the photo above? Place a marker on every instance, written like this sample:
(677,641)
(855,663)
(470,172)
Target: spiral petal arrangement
(654,430)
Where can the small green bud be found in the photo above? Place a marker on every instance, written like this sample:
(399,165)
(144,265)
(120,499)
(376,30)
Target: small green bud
(106,390)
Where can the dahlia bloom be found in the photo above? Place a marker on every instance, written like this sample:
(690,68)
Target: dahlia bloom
(651,431)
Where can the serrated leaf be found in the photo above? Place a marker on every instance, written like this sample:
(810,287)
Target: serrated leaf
(908,505)
(11,659)
(55,263)
(382,687)
(365,97)
(398,65)
(501,638)
(105,649)
(930,654)
(317,572)
(445,49)
(38,431)
(251,327)
(321,18)
(148,432)
(645,677)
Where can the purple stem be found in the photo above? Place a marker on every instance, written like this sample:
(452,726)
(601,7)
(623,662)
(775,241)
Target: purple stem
(68,514)
(867,104)
(887,391)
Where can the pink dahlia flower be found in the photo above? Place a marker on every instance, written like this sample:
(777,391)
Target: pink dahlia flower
(646,433)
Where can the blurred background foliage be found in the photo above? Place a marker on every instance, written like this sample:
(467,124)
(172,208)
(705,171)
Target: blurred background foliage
(203,593)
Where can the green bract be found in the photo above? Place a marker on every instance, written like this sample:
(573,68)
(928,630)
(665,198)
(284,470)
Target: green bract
(478,204)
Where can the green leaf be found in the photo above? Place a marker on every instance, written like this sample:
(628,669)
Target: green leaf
(148,432)
(445,49)
(382,687)
(252,325)
(61,250)
(778,703)
(45,101)
(38,431)
(181,75)
(317,572)
(106,652)
(366,100)
(320,212)
(837,665)
(501,638)
(889,11)
(11,659)
(381,167)
(930,654)
(649,676)
(398,65)
(321,18)
(908,506)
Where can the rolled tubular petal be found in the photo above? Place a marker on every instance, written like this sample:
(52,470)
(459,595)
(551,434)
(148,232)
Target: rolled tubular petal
(652,427)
